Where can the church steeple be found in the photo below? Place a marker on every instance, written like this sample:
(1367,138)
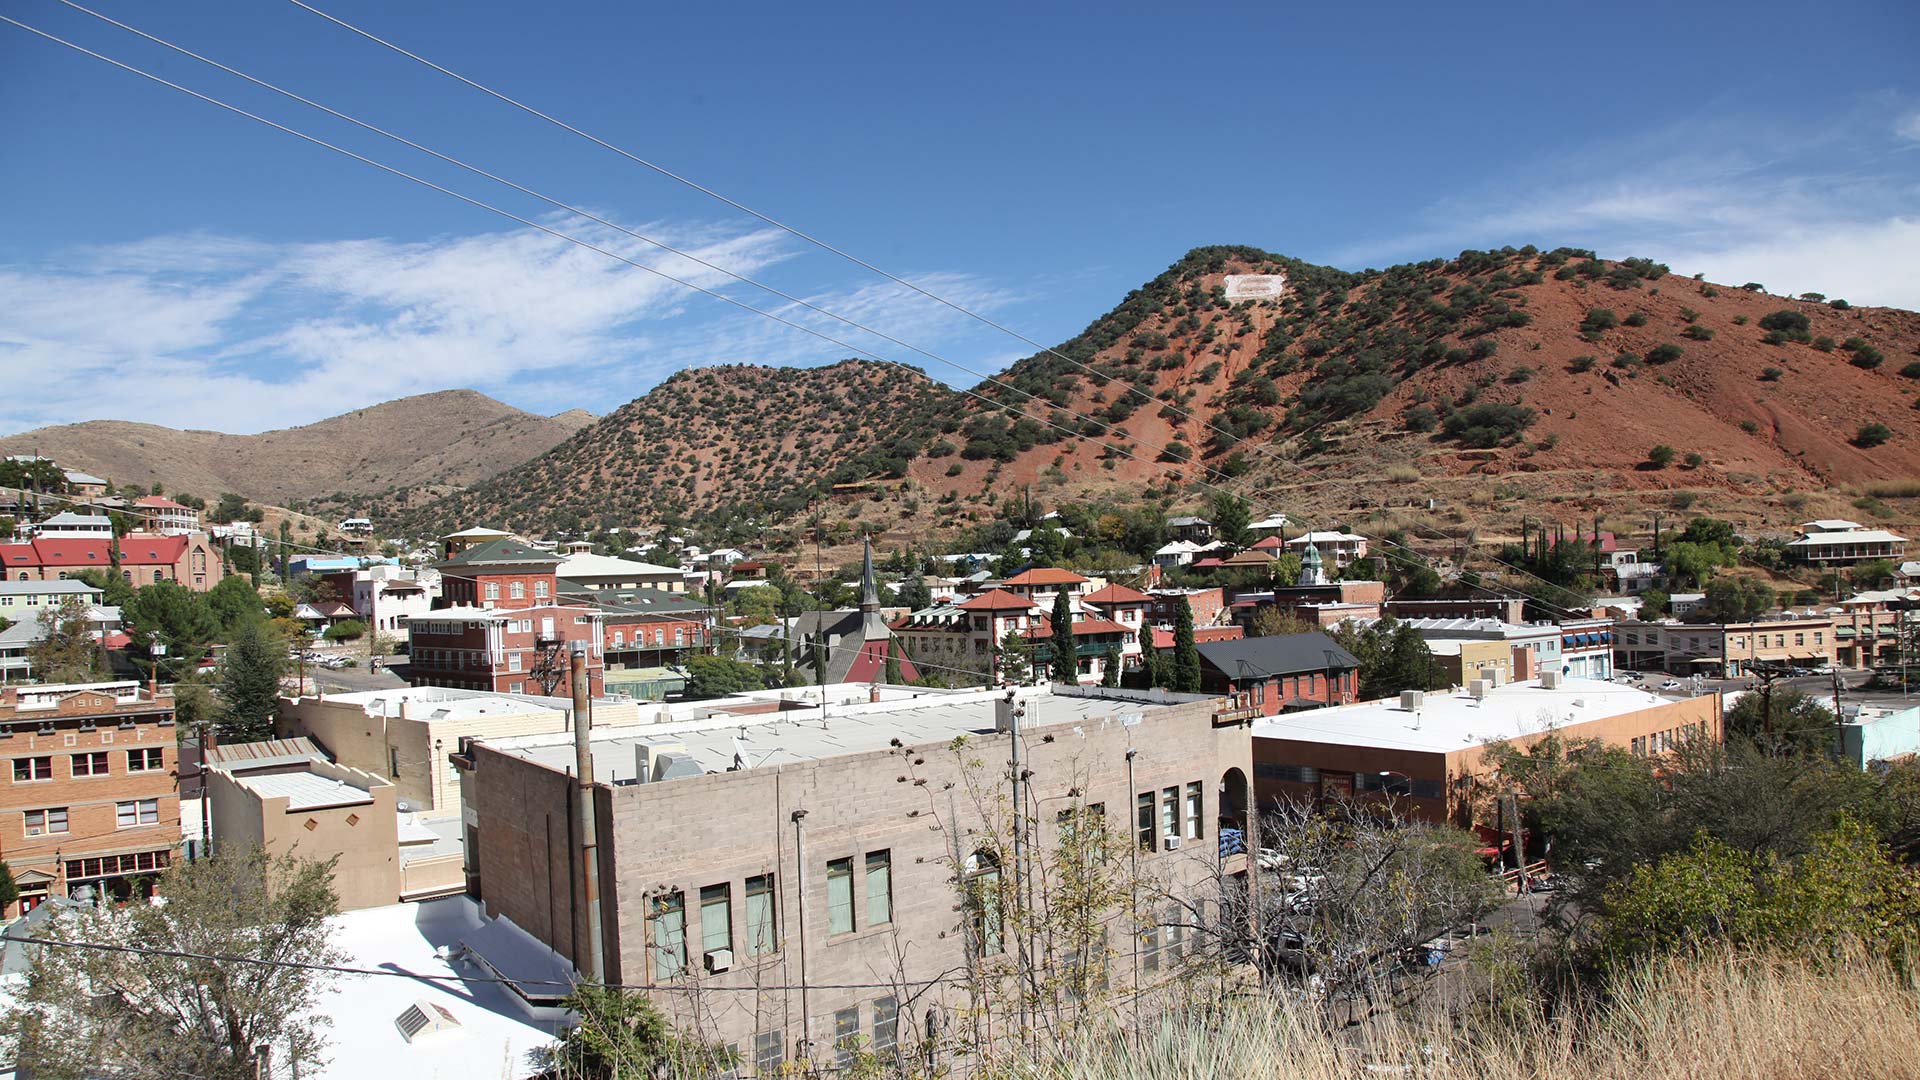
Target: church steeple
(1311,570)
(869,588)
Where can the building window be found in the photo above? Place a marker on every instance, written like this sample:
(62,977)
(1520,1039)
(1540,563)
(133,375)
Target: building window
(46,821)
(679,635)
(716,918)
(91,764)
(1170,813)
(1195,801)
(983,902)
(886,1023)
(519,590)
(667,934)
(846,1035)
(513,661)
(762,929)
(1143,823)
(840,896)
(493,590)
(539,590)
(136,812)
(879,887)
(32,768)
(769,1052)
(619,639)
(149,759)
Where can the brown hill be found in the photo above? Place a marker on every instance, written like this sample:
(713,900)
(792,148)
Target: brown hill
(1549,369)
(441,440)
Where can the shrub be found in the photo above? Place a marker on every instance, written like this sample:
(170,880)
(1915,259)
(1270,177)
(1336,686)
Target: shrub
(1739,320)
(1177,451)
(1697,333)
(1599,319)
(1871,435)
(1582,363)
(1638,318)
(955,469)
(1754,286)
(1695,459)
(1750,426)
(354,629)
(1688,314)
(1866,356)
(1661,456)
(1420,418)
(1627,360)
(1823,343)
(1774,337)
(1838,305)
(1483,348)
(1911,371)
(1488,423)
(1772,374)
(1519,375)
(1785,320)
(1664,353)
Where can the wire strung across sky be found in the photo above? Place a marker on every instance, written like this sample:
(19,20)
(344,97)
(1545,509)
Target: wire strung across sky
(1208,472)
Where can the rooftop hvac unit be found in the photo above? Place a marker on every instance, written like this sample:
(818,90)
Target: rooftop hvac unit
(675,764)
(1413,700)
(1550,680)
(1491,676)
(423,1018)
(1478,689)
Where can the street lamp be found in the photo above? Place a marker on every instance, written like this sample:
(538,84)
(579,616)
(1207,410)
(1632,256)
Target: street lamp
(1395,772)
(155,651)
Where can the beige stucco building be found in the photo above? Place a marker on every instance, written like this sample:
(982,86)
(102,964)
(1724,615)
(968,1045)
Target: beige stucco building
(295,802)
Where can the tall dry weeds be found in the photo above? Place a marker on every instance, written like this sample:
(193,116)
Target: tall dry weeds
(1714,1017)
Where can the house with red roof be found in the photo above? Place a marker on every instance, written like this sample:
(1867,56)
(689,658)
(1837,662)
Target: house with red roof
(967,634)
(143,558)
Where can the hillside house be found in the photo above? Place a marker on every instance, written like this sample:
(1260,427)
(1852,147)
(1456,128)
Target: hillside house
(1837,542)
(162,515)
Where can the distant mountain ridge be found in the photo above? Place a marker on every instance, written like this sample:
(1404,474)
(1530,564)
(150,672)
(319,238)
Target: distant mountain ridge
(437,441)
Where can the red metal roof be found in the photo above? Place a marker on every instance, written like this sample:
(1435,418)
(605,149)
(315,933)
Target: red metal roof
(1084,626)
(1045,575)
(159,502)
(1163,639)
(137,549)
(997,600)
(1117,594)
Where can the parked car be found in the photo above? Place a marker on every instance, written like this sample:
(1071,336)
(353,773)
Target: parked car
(1671,684)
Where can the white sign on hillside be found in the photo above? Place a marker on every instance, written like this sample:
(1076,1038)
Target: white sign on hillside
(1256,286)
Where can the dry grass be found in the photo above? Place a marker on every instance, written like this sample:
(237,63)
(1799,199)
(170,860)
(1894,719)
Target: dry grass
(1402,474)
(1907,488)
(1722,1018)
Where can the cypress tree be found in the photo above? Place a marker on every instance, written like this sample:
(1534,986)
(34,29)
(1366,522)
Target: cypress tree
(250,674)
(1112,675)
(1066,664)
(893,676)
(1186,655)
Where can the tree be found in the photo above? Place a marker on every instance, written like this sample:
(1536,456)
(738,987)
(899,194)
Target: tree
(757,605)
(1231,519)
(80,1009)
(346,630)
(1066,659)
(1185,676)
(1393,657)
(717,676)
(1876,574)
(1799,723)
(622,1033)
(1872,435)
(1045,545)
(914,593)
(1661,456)
(233,602)
(114,589)
(1111,676)
(1733,599)
(1654,603)
(9,889)
(66,651)
(1015,659)
(250,674)
(892,675)
(170,614)
(1691,564)
(1152,667)
(1272,621)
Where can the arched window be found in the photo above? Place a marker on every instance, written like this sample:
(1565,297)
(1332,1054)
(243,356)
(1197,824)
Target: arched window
(23,575)
(983,903)
(125,575)
(539,590)
(159,576)
(519,590)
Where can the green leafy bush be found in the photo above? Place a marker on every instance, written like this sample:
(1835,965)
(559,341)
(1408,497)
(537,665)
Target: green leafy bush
(1697,333)
(1771,374)
(1872,435)
(1599,319)
(1664,353)
(1487,424)
(1421,418)
(1582,363)
(1638,318)
(1661,456)
(1785,320)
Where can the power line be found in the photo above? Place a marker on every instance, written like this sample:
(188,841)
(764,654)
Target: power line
(558,234)
(183,954)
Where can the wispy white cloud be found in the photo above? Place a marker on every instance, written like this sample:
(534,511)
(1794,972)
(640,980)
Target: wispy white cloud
(1738,197)
(204,330)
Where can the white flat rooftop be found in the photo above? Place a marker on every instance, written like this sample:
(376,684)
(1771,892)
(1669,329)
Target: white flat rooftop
(303,790)
(799,735)
(443,702)
(1452,720)
(495,1040)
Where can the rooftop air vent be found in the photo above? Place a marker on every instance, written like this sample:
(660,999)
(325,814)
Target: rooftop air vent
(424,1018)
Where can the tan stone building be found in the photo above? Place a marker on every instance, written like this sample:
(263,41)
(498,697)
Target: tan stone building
(1724,650)
(406,736)
(750,854)
(301,804)
(90,797)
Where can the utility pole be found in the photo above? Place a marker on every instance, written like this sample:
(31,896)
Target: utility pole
(1839,725)
(800,892)
(1512,801)
(1014,713)
(595,969)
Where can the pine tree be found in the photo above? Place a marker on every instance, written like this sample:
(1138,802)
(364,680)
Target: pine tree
(250,674)
(1186,655)
(1112,675)
(893,676)
(1066,662)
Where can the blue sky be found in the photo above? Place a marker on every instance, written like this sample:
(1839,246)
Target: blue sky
(165,261)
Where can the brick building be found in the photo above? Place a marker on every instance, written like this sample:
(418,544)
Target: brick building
(162,515)
(91,797)
(144,559)
(500,624)
(1282,673)
(762,851)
